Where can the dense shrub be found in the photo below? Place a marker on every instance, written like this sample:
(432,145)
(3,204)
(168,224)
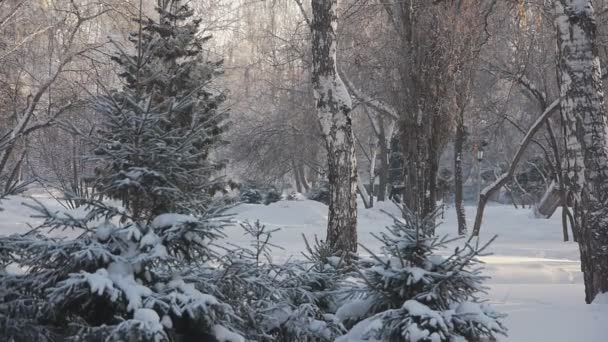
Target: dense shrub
(319,192)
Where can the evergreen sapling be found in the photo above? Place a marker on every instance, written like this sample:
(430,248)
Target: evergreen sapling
(410,293)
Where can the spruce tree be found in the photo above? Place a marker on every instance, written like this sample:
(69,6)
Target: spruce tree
(126,276)
(410,293)
(161,128)
(284,302)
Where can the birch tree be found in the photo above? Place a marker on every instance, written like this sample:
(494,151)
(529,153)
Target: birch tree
(333,110)
(584,114)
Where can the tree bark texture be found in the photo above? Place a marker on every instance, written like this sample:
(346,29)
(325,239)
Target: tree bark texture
(584,116)
(458,178)
(384,144)
(333,106)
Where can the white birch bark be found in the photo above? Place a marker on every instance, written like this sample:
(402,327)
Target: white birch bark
(585,123)
(334,105)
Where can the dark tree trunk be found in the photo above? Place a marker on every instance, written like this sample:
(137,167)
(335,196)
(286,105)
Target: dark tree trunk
(458,179)
(333,109)
(302,176)
(412,190)
(430,182)
(296,176)
(384,170)
(564,216)
(584,115)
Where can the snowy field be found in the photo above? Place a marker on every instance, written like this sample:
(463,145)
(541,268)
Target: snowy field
(536,277)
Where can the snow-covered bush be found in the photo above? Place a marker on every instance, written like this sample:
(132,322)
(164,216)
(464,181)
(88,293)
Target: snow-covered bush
(273,195)
(319,192)
(251,195)
(256,193)
(410,293)
(294,196)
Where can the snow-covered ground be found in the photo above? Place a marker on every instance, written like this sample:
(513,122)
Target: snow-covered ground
(536,277)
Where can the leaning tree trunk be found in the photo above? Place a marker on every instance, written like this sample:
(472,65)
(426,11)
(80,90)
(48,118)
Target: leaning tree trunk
(458,179)
(586,130)
(333,109)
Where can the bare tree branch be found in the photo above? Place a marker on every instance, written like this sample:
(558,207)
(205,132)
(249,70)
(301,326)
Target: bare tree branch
(487,192)
(379,106)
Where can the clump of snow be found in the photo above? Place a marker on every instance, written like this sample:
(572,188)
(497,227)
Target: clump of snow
(224,335)
(14,269)
(100,282)
(150,239)
(122,274)
(132,232)
(476,312)
(146,315)
(334,261)
(171,219)
(149,318)
(415,333)
(167,322)
(186,297)
(415,308)
(319,328)
(363,331)
(104,230)
(355,309)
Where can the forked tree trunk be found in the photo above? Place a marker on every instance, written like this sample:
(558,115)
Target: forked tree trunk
(586,131)
(303,180)
(334,105)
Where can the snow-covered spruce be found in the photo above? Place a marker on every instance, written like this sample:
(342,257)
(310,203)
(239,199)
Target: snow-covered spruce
(412,294)
(118,278)
(281,302)
(158,132)
(121,279)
